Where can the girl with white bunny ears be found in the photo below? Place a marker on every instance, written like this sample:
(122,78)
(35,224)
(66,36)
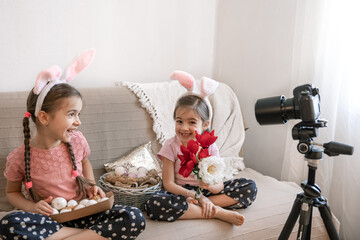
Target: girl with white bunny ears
(193,112)
(55,164)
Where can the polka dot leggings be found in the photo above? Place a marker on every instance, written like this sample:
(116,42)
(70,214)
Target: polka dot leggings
(165,206)
(120,222)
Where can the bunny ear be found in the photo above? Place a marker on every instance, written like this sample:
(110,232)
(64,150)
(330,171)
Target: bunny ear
(208,86)
(185,79)
(79,64)
(52,73)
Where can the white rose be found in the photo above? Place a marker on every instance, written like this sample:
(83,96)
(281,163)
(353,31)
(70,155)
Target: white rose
(211,170)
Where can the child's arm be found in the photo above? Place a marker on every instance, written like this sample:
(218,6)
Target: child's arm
(17,199)
(170,185)
(168,178)
(88,170)
(89,175)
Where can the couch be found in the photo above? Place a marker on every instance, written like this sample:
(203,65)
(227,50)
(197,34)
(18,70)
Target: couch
(115,123)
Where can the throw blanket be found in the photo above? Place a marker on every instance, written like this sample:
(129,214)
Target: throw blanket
(159,100)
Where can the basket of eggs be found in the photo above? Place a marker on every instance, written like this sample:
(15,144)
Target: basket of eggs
(131,186)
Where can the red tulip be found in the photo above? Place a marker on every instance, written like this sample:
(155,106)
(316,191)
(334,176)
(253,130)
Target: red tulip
(204,153)
(193,146)
(206,139)
(187,164)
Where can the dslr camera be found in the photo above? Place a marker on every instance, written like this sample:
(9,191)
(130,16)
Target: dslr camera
(305,105)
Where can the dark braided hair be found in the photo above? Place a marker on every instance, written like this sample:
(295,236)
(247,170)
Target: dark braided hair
(81,181)
(51,104)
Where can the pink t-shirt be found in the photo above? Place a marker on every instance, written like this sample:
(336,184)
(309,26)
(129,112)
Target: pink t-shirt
(171,149)
(50,169)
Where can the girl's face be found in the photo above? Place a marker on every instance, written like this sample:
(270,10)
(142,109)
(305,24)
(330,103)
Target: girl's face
(64,119)
(186,123)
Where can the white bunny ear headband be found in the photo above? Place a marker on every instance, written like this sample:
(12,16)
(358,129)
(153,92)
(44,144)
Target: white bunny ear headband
(51,76)
(207,86)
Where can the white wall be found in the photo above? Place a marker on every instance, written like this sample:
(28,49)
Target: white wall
(244,43)
(254,44)
(142,40)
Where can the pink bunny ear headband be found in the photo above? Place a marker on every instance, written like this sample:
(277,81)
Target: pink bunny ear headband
(51,76)
(207,86)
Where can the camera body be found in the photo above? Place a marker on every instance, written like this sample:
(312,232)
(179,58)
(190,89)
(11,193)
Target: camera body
(305,105)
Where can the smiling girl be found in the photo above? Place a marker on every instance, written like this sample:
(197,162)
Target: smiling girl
(192,114)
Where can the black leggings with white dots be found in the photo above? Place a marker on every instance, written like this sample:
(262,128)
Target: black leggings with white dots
(120,222)
(165,206)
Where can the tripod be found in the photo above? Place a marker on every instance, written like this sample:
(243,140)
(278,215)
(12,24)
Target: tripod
(311,197)
(304,203)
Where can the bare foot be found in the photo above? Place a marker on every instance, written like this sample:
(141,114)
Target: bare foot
(229,216)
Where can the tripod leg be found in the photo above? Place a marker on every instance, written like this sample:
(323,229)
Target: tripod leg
(304,231)
(329,224)
(291,220)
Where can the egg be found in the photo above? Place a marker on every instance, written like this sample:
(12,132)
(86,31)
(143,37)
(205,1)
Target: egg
(96,198)
(55,211)
(66,209)
(132,175)
(72,203)
(142,170)
(133,170)
(91,202)
(141,174)
(120,171)
(103,199)
(58,203)
(79,207)
(84,202)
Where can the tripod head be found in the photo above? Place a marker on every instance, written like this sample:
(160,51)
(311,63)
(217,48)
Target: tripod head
(306,131)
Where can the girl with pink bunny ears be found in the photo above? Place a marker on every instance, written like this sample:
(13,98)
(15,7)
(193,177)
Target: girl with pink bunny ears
(55,163)
(193,113)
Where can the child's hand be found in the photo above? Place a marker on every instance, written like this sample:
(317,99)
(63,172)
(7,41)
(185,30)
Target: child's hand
(216,188)
(43,207)
(208,208)
(95,190)
(192,200)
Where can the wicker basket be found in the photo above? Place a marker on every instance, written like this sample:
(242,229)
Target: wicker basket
(129,196)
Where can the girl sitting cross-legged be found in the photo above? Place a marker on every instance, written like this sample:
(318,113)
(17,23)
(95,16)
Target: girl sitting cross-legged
(179,200)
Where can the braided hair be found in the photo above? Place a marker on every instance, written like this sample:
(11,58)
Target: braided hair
(50,104)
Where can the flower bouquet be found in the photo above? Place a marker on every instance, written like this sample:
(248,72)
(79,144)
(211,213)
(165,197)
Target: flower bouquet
(197,160)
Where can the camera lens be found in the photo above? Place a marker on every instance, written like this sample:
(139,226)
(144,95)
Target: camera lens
(274,110)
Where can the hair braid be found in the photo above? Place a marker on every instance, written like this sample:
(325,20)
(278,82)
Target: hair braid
(81,181)
(27,137)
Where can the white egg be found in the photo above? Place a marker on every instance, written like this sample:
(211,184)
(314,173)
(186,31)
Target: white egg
(132,175)
(55,211)
(91,202)
(64,210)
(120,171)
(72,203)
(79,206)
(84,202)
(133,170)
(59,203)
(96,198)
(142,170)
(103,199)
(141,174)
